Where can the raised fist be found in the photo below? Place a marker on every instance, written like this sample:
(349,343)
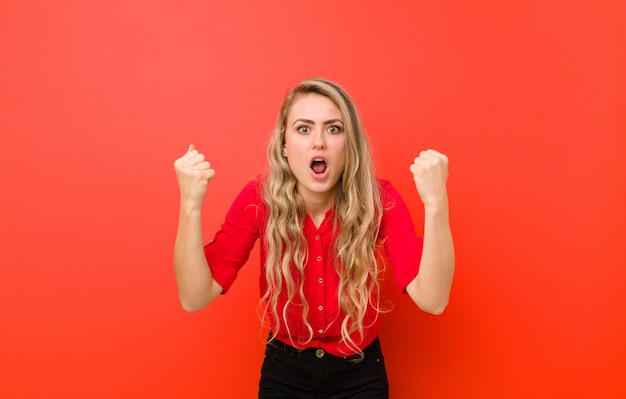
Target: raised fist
(430,172)
(193,173)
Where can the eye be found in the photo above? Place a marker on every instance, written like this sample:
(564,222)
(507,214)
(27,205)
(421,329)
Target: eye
(304,129)
(335,129)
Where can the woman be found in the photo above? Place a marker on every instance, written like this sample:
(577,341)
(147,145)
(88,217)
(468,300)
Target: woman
(322,217)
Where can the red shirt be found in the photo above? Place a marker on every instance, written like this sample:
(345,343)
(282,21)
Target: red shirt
(245,223)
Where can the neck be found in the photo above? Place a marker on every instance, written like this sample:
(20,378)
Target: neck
(318,204)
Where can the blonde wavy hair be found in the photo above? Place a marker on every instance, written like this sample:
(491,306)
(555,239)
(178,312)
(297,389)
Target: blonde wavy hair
(358,212)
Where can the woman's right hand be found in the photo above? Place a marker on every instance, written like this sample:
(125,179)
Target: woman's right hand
(193,173)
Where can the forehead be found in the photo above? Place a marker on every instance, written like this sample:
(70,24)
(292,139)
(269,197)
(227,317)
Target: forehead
(313,106)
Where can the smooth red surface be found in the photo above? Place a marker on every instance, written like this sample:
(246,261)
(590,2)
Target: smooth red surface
(97,99)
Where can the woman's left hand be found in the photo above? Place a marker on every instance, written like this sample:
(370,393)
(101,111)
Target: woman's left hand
(430,173)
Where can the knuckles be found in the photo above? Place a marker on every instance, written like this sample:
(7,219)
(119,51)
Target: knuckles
(430,158)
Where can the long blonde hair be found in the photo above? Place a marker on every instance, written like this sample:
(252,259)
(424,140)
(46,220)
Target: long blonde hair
(358,212)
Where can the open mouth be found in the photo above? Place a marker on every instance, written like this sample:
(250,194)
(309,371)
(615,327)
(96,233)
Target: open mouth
(318,166)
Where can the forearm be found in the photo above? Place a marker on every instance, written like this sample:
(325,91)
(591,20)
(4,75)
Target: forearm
(430,290)
(196,287)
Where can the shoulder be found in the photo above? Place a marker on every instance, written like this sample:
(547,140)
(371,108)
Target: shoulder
(384,185)
(249,201)
(389,196)
(253,190)
(396,218)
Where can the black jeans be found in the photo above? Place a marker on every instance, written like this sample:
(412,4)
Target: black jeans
(291,373)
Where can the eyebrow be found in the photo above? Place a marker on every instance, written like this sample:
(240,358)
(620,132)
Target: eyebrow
(309,121)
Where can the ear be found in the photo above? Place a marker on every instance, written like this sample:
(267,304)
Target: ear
(284,153)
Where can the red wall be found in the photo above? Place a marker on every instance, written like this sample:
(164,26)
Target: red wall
(98,98)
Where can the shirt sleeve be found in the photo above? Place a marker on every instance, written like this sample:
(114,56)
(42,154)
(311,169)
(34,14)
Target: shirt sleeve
(403,247)
(229,250)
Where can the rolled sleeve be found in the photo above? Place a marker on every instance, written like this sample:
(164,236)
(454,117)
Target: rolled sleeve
(403,247)
(230,248)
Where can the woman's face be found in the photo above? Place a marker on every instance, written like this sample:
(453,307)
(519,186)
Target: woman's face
(315,146)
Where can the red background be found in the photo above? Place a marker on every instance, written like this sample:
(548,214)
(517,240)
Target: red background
(98,98)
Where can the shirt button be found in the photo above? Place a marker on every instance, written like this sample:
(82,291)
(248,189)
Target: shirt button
(320,308)
(320,280)
(317,237)
(319,258)
(320,331)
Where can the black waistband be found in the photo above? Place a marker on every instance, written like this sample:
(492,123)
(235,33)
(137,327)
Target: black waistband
(372,349)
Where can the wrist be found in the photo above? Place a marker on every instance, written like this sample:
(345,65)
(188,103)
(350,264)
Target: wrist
(190,208)
(436,207)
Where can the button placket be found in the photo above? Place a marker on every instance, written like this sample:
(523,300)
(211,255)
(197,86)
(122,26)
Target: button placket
(321,319)
(317,265)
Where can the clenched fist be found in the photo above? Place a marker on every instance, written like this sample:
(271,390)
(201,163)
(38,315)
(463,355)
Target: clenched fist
(430,172)
(193,173)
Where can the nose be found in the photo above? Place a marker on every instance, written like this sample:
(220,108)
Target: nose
(319,142)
